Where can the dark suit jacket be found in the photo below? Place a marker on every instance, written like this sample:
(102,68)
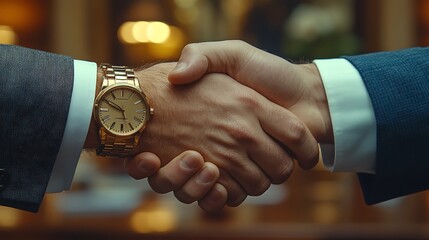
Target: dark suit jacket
(398,85)
(35,92)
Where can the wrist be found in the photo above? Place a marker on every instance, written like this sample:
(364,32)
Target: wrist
(154,84)
(152,80)
(324,131)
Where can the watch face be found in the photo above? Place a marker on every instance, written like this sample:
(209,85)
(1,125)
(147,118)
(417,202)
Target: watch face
(122,110)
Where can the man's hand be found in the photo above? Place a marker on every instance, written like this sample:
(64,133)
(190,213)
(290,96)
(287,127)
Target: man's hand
(187,175)
(295,87)
(231,126)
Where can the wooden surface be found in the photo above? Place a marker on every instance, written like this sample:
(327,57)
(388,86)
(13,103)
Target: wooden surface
(311,205)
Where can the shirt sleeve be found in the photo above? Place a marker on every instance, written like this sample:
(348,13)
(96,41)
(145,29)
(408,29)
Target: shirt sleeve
(352,117)
(76,130)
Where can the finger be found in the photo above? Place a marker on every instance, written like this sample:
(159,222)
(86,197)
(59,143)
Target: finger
(198,186)
(215,199)
(288,129)
(179,170)
(242,62)
(273,159)
(142,165)
(235,193)
(200,58)
(241,168)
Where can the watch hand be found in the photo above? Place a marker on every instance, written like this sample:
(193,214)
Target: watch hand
(123,112)
(114,105)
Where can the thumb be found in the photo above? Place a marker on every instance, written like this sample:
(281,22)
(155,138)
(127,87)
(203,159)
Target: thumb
(198,59)
(190,67)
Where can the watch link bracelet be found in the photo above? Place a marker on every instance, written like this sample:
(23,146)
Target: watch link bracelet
(121,111)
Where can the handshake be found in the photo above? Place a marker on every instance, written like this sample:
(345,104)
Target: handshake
(230,120)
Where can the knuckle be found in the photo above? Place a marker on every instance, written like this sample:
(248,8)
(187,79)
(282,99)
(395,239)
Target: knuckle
(312,158)
(228,158)
(296,130)
(251,178)
(259,186)
(190,48)
(242,132)
(184,197)
(283,172)
(163,186)
(250,100)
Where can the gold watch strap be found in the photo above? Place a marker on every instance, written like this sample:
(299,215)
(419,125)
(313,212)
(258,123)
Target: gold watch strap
(112,145)
(118,74)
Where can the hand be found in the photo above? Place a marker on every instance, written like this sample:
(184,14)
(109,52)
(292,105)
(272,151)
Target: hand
(295,87)
(228,124)
(187,175)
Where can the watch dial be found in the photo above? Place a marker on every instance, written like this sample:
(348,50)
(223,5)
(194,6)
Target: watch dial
(122,111)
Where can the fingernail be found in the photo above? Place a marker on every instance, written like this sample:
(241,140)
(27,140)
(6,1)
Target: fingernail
(180,66)
(188,163)
(205,176)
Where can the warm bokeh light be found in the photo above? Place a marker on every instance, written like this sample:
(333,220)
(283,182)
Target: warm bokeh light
(158,220)
(171,47)
(8,217)
(158,32)
(144,32)
(7,35)
(140,31)
(125,33)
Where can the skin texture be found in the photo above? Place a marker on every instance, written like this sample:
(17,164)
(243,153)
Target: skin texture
(231,126)
(294,87)
(297,87)
(187,174)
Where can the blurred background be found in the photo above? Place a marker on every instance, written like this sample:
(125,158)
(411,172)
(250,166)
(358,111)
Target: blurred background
(316,204)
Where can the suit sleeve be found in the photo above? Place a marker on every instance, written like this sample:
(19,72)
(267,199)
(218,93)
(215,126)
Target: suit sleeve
(35,93)
(398,85)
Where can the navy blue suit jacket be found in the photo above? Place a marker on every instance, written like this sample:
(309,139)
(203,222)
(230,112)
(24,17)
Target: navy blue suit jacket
(398,85)
(35,93)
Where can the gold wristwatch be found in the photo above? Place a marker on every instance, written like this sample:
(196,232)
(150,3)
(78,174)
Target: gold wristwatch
(121,111)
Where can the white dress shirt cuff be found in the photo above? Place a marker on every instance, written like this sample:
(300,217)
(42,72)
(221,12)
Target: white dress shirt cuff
(76,130)
(352,117)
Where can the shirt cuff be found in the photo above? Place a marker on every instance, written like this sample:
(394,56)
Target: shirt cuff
(352,117)
(76,130)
